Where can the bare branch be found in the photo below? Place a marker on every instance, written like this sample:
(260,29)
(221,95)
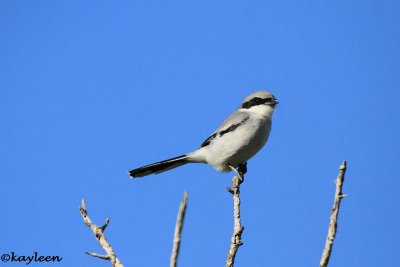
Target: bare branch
(98,233)
(178,230)
(334,216)
(236,239)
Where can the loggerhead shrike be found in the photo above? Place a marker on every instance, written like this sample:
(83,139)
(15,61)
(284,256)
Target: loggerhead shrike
(238,139)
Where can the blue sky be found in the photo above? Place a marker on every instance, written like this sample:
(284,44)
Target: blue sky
(90,90)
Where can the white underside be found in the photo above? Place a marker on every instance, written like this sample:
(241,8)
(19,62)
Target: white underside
(238,146)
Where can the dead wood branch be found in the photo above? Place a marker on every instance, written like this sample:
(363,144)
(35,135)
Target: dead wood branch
(98,232)
(236,239)
(334,216)
(178,231)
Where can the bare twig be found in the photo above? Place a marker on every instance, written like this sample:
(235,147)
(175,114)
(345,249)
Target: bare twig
(178,230)
(98,233)
(236,239)
(103,257)
(334,216)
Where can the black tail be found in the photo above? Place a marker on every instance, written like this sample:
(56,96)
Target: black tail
(159,167)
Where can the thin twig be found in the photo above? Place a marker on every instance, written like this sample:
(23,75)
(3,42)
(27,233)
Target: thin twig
(178,230)
(334,216)
(236,239)
(100,256)
(98,233)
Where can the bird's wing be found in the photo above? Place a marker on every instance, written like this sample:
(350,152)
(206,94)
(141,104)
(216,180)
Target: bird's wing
(236,119)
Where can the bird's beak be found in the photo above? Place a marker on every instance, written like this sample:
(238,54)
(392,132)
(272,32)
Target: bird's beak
(276,102)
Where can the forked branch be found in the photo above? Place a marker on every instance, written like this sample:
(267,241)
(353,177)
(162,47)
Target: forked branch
(98,232)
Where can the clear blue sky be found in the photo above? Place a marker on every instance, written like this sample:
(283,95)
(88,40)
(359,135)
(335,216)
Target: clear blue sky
(92,89)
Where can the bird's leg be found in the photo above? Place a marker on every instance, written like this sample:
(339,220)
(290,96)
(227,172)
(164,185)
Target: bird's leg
(242,168)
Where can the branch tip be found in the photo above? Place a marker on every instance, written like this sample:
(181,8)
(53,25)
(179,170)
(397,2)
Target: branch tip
(343,165)
(83,204)
(230,190)
(107,221)
(100,256)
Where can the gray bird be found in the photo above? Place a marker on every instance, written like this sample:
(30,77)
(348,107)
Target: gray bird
(238,139)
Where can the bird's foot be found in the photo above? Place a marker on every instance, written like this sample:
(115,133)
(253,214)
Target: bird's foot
(240,171)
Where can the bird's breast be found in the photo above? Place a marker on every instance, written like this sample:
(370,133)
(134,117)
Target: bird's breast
(238,146)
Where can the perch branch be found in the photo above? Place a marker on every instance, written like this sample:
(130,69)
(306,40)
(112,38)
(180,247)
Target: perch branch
(98,232)
(236,239)
(178,230)
(334,216)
